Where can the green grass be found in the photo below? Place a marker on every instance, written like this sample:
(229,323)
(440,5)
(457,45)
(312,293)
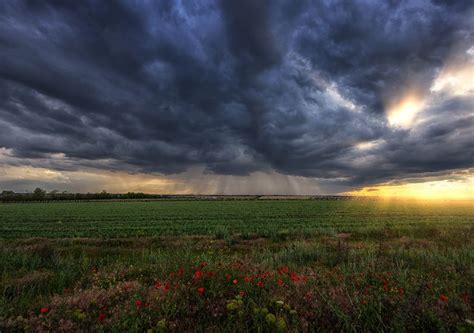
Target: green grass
(352,266)
(265,218)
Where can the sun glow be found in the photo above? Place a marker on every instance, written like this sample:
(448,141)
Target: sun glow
(432,190)
(402,114)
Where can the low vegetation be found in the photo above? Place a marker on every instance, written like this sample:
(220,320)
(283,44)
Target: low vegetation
(263,266)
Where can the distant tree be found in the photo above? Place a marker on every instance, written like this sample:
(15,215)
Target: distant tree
(39,193)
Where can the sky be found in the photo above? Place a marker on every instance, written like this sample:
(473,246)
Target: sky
(238,97)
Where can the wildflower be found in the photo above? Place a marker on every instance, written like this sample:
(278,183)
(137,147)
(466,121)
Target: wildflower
(138,303)
(443,298)
(198,275)
(401,291)
(101,317)
(203,264)
(247,279)
(294,277)
(166,287)
(161,324)
(201,290)
(44,310)
(260,284)
(281,325)
(270,318)
(234,281)
(283,269)
(280,282)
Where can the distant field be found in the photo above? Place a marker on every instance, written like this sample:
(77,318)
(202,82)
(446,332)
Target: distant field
(236,266)
(264,218)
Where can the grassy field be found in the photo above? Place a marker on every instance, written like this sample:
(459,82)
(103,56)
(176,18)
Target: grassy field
(255,265)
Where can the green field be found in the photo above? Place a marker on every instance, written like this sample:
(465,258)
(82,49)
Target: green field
(265,218)
(237,265)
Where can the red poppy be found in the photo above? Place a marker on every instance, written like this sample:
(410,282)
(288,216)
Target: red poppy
(280,282)
(198,275)
(234,281)
(443,298)
(283,269)
(201,290)
(166,287)
(44,310)
(294,277)
(138,303)
(101,317)
(259,284)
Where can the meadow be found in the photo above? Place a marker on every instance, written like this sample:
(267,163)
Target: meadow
(237,266)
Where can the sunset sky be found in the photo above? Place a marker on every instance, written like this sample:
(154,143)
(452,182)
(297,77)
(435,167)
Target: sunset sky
(238,97)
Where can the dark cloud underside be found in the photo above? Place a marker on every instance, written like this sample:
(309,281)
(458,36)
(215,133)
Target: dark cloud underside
(233,86)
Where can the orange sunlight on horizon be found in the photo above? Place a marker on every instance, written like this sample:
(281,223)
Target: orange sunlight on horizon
(431,190)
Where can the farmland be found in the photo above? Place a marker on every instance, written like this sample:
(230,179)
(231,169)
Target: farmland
(237,265)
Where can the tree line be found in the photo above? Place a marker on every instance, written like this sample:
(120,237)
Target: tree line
(40,194)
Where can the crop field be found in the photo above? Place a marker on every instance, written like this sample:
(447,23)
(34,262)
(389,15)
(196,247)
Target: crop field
(237,266)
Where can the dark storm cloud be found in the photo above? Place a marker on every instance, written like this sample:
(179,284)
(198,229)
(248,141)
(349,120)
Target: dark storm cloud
(234,86)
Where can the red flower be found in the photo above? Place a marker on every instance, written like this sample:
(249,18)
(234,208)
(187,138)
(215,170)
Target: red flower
(198,275)
(247,279)
(283,269)
(401,291)
(101,317)
(138,303)
(294,277)
(234,281)
(203,264)
(443,298)
(259,284)
(166,287)
(280,282)
(201,290)
(44,310)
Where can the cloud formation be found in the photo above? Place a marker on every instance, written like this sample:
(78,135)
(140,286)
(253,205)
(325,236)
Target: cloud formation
(237,88)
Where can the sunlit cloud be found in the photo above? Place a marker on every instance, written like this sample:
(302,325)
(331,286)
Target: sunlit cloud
(403,112)
(457,76)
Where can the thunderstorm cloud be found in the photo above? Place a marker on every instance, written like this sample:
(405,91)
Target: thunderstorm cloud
(351,93)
